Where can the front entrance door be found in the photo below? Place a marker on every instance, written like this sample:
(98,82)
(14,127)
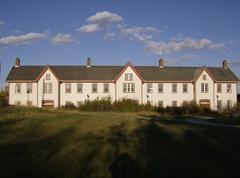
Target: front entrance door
(205,103)
(48,104)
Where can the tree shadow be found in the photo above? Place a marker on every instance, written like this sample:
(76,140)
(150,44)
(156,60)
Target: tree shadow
(155,148)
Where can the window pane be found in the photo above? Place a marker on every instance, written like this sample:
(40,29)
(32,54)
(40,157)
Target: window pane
(68,88)
(106,88)
(229,88)
(174,88)
(160,88)
(79,87)
(219,88)
(185,88)
(29,87)
(149,88)
(94,88)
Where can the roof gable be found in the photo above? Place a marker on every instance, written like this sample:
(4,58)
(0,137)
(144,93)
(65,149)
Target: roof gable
(43,72)
(125,68)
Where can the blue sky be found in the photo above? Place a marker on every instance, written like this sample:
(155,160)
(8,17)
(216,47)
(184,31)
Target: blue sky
(57,32)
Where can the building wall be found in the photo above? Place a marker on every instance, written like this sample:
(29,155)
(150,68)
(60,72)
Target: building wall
(138,86)
(116,92)
(75,97)
(23,97)
(224,96)
(208,95)
(45,96)
(167,96)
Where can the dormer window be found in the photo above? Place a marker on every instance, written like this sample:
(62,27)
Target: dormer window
(128,77)
(204,77)
(48,77)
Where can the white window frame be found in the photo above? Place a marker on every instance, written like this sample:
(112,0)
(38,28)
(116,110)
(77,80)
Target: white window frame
(149,88)
(185,85)
(128,76)
(106,86)
(68,88)
(160,103)
(48,76)
(128,87)
(229,89)
(204,88)
(204,77)
(160,85)
(94,86)
(79,87)
(18,88)
(174,103)
(29,87)
(219,86)
(174,84)
(47,88)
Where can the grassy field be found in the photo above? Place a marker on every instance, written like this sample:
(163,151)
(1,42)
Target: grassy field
(67,144)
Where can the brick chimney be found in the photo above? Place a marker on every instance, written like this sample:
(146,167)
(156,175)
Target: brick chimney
(88,62)
(225,64)
(161,63)
(17,62)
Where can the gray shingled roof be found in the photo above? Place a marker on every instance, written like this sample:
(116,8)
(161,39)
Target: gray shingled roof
(148,73)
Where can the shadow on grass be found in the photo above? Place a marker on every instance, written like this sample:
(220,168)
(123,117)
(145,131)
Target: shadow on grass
(156,148)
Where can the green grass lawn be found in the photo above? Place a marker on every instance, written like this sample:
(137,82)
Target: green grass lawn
(66,144)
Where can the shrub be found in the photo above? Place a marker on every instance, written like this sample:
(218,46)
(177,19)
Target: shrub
(103,104)
(70,106)
(3,98)
(127,105)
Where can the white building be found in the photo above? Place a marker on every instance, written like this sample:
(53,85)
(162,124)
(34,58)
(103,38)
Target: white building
(54,86)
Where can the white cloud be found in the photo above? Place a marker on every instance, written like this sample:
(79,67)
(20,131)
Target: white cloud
(62,39)
(99,21)
(140,34)
(20,39)
(2,22)
(109,36)
(185,44)
(90,28)
(104,17)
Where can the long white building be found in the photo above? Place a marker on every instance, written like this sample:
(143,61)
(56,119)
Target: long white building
(55,86)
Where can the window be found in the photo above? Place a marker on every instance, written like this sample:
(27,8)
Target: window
(105,88)
(160,88)
(185,88)
(79,87)
(184,103)
(68,87)
(68,103)
(18,103)
(160,104)
(94,88)
(150,102)
(204,88)
(174,103)
(79,103)
(204,77)
(48,77)
(18,88)
(219,104)
(228,104)
(29,87)
(174,88)
(29,103)
(128,77)
(128,88)
(149,87)
(229,88)
(47,88)
(219,88)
